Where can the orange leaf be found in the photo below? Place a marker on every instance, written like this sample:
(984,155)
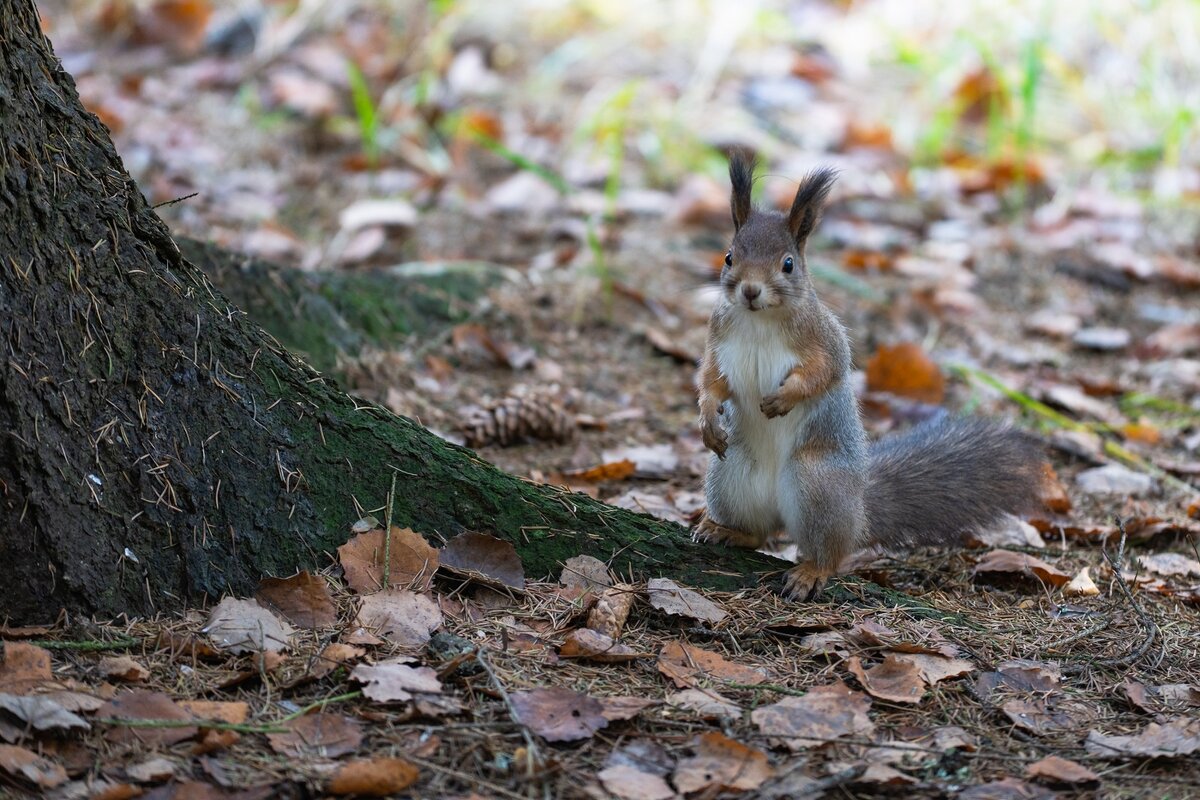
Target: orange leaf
(374,777)
(906,371)
(613,471)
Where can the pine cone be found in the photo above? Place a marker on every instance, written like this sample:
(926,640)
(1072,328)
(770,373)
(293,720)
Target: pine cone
(513,419)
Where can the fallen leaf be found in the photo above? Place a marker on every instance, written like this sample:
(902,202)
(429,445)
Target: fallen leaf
(1051,491)
(558,714)
(29,766)
(687,665)
(655,461)
(1055,770)
(400,616)
(41,713)
(670,345)
(143,705)
(25,667)
(1039,716)
(893,679)
(906,371)
(594,646)
(1170,564)
(1008,565)
(952,737)
(655,505)
(1006,789)
(1179,737)
(394,681)
(1008,531)
(332,656)
(824,714)
(1174,697)
(608,615)
(1102,339)
(585,572)
(671,598)
(1019,675)
(646,755)
(622,707)
(320,735)
(303,599)
(122,668)
(232,712)
(243,626)
(722,764)
(630,783)
(155,770)
(609,471)
(705,704)
(373,777)
(413,561)
(826,643)
(473,339)
(1115,479)
(1081,585)
(479,554)
(23,631)
(936,668)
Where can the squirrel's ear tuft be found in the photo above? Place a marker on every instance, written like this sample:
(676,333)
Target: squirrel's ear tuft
(741,176)
(810,200)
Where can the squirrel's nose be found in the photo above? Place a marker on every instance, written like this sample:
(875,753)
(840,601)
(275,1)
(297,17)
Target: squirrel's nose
(751,291)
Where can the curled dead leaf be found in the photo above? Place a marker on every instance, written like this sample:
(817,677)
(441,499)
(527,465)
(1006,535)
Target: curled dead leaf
(671,598)
(303,599)
(721,764)
(594,646)
(373,777)
(478,554)
(893,679)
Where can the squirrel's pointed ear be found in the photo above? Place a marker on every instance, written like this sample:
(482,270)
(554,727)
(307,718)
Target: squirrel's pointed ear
(741,176)
(809,202)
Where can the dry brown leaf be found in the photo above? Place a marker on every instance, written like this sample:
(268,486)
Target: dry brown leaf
(155,770)
(29,766)
(334,655)
(400,616)
(471,338)
(1054,769)
(1170,564)
(143,705)
(122,668)
(231,712)
(935,668)
(1159,699)
(394,681)
(670,345)
(1039,716)
(243,626)
(480,554)
(611,611)
(594,646)
(720,763)
(373,777)
(413,561)
(1179,737)
(906,371)
(671,598)
(654,461)
(893,679)
(321,735)
(1008,565)
(824,714)
(1052,492)
(623,707)
(558,714)
(25,667)
(303,599)
(41,713)
(585,572)
(705,704)
(687,665)
(630,783)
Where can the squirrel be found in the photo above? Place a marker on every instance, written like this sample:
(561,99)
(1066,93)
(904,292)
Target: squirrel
(779,414)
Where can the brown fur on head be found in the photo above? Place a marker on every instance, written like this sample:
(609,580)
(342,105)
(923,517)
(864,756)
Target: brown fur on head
(765,267)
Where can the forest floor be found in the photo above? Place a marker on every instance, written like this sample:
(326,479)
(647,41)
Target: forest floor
(1000,242)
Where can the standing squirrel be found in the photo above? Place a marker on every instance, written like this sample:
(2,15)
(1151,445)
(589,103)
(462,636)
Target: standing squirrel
(779,414)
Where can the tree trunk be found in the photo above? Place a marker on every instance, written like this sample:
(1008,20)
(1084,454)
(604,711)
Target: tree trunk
(157,448)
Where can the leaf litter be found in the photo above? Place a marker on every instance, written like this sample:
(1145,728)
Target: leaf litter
(1085,293)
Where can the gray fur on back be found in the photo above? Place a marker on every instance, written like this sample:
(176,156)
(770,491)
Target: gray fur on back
(931,484)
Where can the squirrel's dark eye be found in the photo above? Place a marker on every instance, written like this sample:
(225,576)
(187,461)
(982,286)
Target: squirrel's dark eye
(788,264)
(729,259)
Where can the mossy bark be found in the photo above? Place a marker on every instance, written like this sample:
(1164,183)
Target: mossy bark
(157,448)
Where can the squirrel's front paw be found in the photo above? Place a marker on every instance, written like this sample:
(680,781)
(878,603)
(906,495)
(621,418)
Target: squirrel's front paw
(776,405)
(714,436)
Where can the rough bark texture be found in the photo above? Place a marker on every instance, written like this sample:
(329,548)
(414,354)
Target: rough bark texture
(157,448)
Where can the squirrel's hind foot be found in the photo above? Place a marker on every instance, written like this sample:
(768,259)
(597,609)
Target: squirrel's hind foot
(715,533)
(803,582)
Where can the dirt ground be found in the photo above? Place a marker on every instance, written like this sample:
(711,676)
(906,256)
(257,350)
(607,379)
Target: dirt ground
(579,159)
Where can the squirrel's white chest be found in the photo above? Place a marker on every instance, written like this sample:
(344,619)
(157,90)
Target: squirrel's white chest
(754,357)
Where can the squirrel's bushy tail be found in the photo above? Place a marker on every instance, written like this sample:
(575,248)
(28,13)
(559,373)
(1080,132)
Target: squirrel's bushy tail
(930,485)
